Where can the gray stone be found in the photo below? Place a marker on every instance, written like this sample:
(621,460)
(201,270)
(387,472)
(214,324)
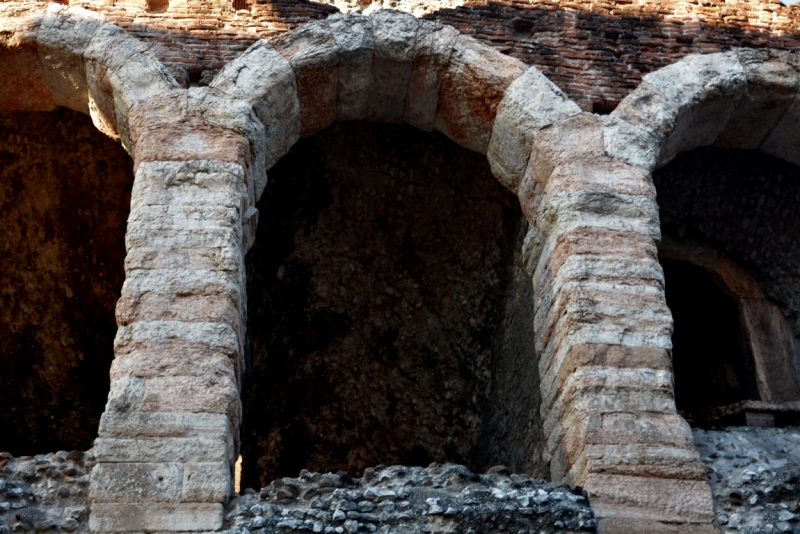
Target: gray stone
(394,34)
(354,40)
(62,39)
(441,495)
(266,80)
(432,52)
(530,103)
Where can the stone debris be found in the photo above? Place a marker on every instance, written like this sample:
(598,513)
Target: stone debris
(754,475)
(442,498)
(46,492)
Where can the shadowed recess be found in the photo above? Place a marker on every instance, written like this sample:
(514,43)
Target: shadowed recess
(389,318)
(64,201)
(744,204)
(709,357)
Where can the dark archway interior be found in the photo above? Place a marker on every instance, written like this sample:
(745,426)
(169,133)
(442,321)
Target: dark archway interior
(64,202)
(389,316)
(710,360)
(743,204)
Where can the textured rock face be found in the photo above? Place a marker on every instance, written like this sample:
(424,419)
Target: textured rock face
(45,492)
(64,197)
(742,203)
(388,315)
(405,500)
(754,475)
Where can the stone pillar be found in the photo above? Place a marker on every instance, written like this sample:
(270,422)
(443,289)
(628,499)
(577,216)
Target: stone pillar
(168,438)
(602,331)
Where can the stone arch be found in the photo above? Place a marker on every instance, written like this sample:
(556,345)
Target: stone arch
(392,67)
(742,99)
(168,437)
(766,335)
(69,56)
(745,99)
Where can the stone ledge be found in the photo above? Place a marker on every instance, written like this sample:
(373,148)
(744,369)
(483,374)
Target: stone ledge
(120,517)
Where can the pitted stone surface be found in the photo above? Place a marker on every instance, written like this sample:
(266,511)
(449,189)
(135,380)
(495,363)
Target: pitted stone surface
(755,477)
(404,500)
(46,492)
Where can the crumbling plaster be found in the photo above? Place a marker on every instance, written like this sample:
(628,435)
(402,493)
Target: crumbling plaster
(602,330)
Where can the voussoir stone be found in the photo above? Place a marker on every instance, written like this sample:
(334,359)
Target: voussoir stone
(473,84)
(265,79)
(394,35)
(312,52)
(630,144)
(63,37)
(356,45)
(703,90)
(530,103)
(784,141)
(108,50)
(137,79)
(434,44)
(772,83)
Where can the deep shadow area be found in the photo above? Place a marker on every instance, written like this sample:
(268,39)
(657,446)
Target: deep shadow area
(743,203)
(711,363)
(64,201)
(388,313)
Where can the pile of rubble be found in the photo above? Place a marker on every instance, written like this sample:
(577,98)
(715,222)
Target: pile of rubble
(45,492)
(404,500)
(754,475)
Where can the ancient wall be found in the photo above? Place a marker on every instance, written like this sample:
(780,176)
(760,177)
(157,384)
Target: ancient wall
(64,199)
(381,275)
(595,51)
(601,326)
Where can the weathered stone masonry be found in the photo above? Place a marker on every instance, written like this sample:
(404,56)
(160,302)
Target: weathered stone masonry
(169,435)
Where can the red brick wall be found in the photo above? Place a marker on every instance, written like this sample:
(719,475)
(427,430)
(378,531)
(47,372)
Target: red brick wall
(597,51)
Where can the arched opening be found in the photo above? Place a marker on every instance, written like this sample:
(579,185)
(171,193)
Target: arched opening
(727,214)
(709,356)
(64,201)
(389,316)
